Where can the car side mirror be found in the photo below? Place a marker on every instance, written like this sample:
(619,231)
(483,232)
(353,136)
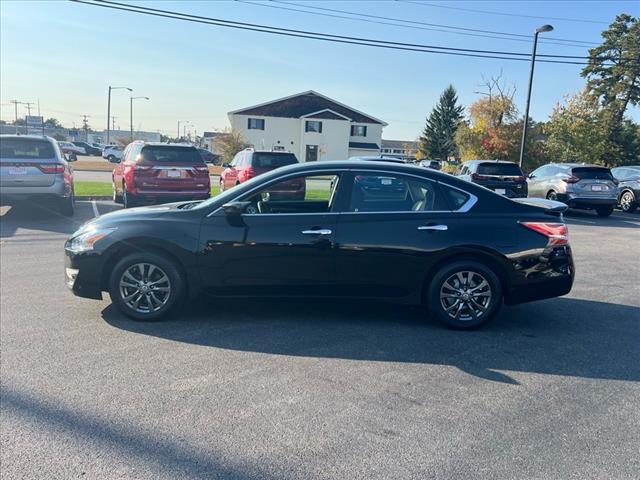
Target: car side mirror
(531,175)
(234,209)
(71,157)
(226,165)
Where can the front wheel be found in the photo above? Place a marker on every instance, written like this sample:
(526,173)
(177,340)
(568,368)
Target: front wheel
(464,295)
(115,197)
(628,202)
(552,196)
(128,200)
(604,211)
(145,286)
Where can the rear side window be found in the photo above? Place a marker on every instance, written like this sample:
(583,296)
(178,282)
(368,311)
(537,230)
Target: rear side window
(168,154)
(273,160)
(505,169)
(592,173)
(455,198)
(26,148)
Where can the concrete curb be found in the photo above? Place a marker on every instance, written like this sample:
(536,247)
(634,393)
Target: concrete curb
(93,197)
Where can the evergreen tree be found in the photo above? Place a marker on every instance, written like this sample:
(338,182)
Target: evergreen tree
(438,140)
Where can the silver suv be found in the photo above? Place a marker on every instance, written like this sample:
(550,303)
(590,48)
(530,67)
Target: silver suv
(34,168)
(589,187)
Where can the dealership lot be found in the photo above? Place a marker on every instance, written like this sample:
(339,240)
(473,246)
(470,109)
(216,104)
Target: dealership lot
(323,389)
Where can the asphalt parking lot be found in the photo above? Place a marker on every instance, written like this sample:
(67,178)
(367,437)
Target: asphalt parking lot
(306,390)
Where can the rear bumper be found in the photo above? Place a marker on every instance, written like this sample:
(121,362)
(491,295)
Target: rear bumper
(175,195)
(9,194)
(582,201)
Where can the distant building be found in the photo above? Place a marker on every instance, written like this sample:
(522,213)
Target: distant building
(311,126)
(404,149)
(114,135)
(209,141)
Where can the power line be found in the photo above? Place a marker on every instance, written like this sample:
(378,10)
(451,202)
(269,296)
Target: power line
(313,35)
(504,35)
(425,4)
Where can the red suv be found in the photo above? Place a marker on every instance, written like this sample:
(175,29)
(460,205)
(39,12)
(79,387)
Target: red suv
(162,172)
(250,163)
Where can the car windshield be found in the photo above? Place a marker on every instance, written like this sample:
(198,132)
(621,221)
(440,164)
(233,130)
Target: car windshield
(591,173)
(26,148)
(169,154)
(273,160)
(505,169)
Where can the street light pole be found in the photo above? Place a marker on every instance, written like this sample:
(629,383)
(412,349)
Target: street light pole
(109,108)
(544,28)
(179,122)
(131,99)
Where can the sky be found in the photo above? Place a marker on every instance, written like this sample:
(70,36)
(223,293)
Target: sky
(65,55)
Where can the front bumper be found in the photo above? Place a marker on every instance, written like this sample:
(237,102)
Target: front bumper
(82,274)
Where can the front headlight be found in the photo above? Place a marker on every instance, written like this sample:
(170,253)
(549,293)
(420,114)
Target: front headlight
(86,239)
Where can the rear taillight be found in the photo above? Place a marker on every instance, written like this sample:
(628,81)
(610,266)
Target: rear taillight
(142,168)
(570,179)
(203,169)
(519,179)
(557,233)
(475,176)
(249,173)
(51,168)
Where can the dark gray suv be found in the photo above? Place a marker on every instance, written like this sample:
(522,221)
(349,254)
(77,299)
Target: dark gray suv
(589,187)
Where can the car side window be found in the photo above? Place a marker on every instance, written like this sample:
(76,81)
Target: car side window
(390,192)
(305,194)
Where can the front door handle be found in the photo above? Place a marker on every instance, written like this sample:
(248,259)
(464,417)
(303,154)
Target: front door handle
(319,231)
(439,228)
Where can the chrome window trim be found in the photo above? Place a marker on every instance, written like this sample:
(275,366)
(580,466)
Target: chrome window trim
(468,205)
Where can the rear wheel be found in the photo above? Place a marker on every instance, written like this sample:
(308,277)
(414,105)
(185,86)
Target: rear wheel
(128,200)
(221,185)
(146,286)
(111,158)
(464,295)
(552,196)
(628,202)
(68,205)
(604,211)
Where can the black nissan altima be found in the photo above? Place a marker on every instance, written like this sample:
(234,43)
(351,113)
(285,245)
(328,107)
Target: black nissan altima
(364,229)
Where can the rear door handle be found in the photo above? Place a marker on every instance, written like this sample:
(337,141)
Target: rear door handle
(319,231)
(439,228)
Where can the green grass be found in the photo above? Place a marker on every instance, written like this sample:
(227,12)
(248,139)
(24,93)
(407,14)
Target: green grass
(92,189)
(102,189)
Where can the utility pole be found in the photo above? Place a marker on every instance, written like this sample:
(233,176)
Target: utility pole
(113,122)
(85,127)
(109,107)
(28,107)
(15,104)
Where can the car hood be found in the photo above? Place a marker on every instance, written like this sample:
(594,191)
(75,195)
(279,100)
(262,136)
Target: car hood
(141,214)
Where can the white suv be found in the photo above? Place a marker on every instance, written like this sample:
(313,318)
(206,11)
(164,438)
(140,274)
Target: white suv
(113,153)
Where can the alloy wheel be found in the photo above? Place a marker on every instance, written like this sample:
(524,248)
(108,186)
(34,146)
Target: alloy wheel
(465,295)
(144,287)
(626,201)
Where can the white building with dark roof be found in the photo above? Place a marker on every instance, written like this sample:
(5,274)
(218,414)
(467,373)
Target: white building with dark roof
(311,126)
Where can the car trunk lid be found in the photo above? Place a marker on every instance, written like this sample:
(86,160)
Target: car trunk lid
(28,162)
(550,207)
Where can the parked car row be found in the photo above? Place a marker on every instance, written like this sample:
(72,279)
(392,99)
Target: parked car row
(580,186)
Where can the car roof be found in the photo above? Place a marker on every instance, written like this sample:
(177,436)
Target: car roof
(160,144)
(28,137)
(474,162)
(377,159)
(579,165)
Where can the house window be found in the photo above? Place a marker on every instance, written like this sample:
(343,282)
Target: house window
(358,131)
(313,126)
(256,124)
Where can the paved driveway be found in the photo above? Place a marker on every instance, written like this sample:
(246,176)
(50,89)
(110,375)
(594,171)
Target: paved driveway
(306,390)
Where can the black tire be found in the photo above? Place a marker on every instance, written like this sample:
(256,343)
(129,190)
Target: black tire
(67,205)
(128,200)
(221,189)
(115,197)
(448,310)
(176,284)
(551,195)
(111,158)
(628,202)
(604,211)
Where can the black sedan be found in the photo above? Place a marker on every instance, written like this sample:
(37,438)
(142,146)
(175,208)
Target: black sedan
(456,248)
